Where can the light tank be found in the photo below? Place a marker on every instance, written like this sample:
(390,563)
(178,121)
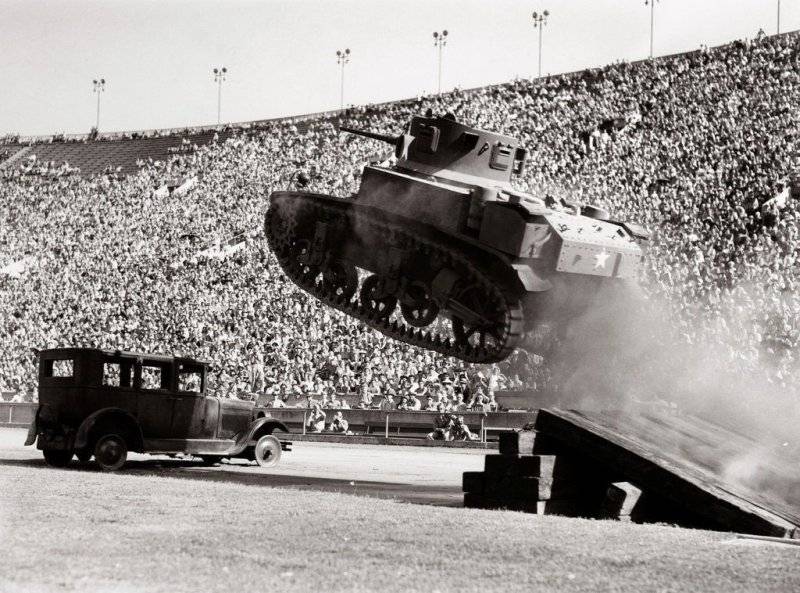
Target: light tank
(438,250)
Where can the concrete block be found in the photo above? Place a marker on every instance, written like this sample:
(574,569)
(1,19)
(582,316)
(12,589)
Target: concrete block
(473,482)
(520,465)
(517,442)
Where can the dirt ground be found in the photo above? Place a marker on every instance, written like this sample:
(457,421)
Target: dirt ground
(409,474)
(174,526)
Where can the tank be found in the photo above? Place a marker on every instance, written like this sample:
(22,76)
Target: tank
(438,250)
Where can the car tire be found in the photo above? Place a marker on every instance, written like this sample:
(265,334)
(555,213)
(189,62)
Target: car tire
(110,452)
(57,457)
(267,451)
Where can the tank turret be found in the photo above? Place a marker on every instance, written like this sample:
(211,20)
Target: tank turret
(438,249)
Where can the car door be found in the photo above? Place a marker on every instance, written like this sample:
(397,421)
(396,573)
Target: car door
(116,385)
(190,418)
(155,398)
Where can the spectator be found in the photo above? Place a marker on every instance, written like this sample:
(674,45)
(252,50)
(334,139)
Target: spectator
(339,424)
(277,401)
(387,402)
(461,432)
(442,425)
(316,420)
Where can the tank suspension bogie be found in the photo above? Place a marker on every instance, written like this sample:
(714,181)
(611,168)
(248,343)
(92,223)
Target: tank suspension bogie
(375,296)
(340,278)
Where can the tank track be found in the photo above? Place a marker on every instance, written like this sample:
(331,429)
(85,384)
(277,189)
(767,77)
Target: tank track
(394,233)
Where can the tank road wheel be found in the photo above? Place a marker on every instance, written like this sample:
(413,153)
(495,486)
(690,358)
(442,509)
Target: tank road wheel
(418,308)
(484,323)
(110,452)
(340,280)
(268,451)
(57,457)
(375,299)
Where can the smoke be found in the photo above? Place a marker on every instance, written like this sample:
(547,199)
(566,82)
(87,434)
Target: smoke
(630,352)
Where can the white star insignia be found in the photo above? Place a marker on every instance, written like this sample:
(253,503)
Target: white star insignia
(600,259)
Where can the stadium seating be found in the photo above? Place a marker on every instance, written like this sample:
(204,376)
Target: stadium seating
(121,156)
(693,146)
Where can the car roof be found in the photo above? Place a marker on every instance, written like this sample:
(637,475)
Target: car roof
(55,352)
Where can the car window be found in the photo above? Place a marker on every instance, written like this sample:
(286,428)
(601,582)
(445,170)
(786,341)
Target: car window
(189,381)
(117,374)
(152,377)
(62,367)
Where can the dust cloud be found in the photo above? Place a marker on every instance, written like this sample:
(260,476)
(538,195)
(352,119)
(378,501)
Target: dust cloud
(628,352)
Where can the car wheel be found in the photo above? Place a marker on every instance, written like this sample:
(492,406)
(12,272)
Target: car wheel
(211,459)
(110,452)
(84,455)
(57,457)
(268,451)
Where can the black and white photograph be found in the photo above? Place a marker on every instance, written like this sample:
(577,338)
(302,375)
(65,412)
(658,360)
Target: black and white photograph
(399,296)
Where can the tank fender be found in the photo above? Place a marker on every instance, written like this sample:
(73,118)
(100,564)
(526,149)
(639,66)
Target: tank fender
(257,429)
(526,203)
(118,415)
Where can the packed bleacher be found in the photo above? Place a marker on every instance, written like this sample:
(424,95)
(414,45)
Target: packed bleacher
(701,148)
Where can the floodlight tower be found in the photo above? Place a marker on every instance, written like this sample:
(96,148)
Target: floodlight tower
(439,41)
(342,58)
(652,4)
(219,78)
(98,86)
(539,22)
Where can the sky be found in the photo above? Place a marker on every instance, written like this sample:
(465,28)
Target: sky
(157,56)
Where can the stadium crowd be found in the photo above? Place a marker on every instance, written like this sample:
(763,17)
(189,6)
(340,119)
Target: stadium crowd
(700,148)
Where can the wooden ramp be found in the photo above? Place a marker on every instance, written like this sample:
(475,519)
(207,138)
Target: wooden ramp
(689,470)
(644,466)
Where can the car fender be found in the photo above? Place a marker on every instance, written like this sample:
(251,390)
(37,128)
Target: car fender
(257,429)
(33,430)
(119,415)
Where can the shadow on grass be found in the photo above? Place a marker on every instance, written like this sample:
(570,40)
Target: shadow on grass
(252,475)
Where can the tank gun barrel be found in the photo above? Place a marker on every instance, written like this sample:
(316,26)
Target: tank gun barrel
(374,135)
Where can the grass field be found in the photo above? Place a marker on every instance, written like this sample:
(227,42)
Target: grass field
(81,530)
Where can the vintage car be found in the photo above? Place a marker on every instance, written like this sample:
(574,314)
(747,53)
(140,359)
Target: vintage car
(106,403)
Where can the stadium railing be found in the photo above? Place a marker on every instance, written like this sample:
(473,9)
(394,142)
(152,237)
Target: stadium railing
(17,414)
(400,423)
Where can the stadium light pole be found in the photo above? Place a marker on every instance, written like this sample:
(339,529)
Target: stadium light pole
(98,86)
(219,78)
(439,41)
(342,58)
(539,22)
(652,4)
